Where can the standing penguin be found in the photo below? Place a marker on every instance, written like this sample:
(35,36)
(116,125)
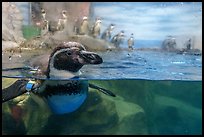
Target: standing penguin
(45,25)
(118,39)
(43,14)
(107,33)
(96,28)
(60,24)
(62,20)
(84,28)
(62,96)
(189,44)
(131,42)
(44,22)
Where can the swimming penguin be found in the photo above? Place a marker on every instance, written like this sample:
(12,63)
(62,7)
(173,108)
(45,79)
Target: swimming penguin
(65,61)
(96,28)
(84,28)
(107,33)
(62,20)
(131,42)
(118,39)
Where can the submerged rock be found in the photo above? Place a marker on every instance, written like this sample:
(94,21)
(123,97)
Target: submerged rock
(133,125)
(11,127)
(95,116)
(100,114)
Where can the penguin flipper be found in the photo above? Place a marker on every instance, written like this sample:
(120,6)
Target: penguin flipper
(16,89)
(105,91)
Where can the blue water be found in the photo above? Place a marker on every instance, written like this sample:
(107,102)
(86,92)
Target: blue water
(137,64)
(152,65)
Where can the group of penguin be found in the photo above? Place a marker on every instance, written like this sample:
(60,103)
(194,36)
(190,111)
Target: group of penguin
(83,28)
(53,26)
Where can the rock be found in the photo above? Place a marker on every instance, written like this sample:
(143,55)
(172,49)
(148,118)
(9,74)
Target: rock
(50,42)
(91,43)
(173,115)
(9,44)
(95,116)
(12,21)
(100,114)
(133,125)
(132,118)
(75,10)
(11,127)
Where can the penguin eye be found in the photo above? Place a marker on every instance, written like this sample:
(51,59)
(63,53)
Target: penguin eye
(68,53)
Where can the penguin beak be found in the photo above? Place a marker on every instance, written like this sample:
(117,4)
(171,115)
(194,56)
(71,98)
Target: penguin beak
(90,57)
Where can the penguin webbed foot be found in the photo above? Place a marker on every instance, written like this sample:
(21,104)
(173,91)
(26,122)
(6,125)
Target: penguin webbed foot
(105,91)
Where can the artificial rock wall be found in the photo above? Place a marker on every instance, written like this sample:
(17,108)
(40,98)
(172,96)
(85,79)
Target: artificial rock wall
(12,21)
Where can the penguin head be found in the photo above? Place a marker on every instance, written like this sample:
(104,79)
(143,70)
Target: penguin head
(122,33)
(69,58)
(64,14)
(112,26)
(64,11)
(98,20)
(85,18)
(42,11)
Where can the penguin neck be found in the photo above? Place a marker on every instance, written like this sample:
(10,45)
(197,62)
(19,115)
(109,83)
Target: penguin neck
(43,16)
(64,16)
(111,28)
(84,22)
(98,25)
(55,73)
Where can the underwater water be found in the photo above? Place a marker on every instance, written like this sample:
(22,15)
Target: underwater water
(156,93)
(140,107)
